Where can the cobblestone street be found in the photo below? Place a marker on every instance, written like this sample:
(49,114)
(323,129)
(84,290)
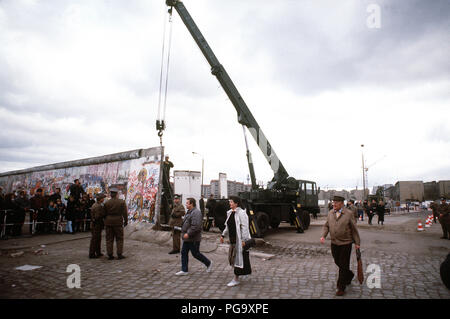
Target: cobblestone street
(296,270)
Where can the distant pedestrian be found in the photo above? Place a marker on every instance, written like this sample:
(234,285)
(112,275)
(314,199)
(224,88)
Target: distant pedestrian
(191,231)
(342,229)
(97,215)
(236,228)
(352,207)
(380,212)
(372,209)
(23,205)
(434,207)
(360,210)
(176,219)
(444,218)
(116,217)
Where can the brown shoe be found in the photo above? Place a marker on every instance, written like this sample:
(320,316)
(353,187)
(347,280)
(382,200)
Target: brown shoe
(340,293)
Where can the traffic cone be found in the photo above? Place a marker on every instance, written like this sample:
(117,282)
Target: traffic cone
(419,226)
(427,224)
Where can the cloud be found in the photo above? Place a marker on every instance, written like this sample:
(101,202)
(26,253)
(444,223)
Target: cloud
(81,79)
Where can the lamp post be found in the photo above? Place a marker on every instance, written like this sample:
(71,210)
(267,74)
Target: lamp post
(203,164)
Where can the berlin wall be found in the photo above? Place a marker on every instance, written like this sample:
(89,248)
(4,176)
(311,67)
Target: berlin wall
(136,173)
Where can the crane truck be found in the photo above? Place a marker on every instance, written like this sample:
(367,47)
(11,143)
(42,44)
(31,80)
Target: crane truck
(285,199)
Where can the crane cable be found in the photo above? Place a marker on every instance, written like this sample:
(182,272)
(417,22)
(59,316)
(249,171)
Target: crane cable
(160,124)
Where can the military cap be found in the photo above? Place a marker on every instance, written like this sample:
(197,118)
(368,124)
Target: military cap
(338,198)
(176,196)
(114,190)
(443,198)
(100,195)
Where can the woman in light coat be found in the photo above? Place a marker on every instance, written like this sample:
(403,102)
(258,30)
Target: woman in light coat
(236,228)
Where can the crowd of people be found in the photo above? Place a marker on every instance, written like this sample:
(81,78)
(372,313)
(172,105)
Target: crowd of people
(368,209)
(47,212)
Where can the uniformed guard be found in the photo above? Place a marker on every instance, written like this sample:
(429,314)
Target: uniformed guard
(178,212)
(444,218)
(97,225)
(116,217)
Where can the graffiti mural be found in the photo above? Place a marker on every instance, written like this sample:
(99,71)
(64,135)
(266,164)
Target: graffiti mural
(136,174)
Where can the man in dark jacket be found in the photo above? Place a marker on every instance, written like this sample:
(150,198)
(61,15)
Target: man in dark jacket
(191,231)
(116,217)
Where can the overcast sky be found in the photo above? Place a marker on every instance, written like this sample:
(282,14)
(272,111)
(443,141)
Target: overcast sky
(81,78)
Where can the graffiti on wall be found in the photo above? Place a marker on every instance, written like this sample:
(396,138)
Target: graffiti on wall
(136,179)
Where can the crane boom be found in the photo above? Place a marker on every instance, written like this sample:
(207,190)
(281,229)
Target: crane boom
(245,117)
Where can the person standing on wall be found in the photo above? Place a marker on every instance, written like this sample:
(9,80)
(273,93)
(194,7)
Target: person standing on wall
(236,227)
(176,220)
(343,232)
(191,231)
(116,217)
(97,215)
(76,190)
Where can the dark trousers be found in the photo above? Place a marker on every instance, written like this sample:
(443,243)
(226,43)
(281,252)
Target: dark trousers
(114,232)
(370,218)
(194,247)
(96,240)
(341,255)
(176,234)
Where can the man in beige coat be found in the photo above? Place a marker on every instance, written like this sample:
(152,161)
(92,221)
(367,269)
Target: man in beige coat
(176,220)
(343,232)
(116,217)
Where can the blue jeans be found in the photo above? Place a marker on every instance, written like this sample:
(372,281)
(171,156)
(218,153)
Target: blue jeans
(194,247)
(69,226)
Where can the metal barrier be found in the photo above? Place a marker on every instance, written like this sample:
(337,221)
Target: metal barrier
(60,223)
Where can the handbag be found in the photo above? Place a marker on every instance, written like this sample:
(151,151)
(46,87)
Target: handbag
(249,244)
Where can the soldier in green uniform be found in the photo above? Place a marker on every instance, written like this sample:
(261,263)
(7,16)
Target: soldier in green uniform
(116,217)
(97,225)
(178,212)
(444,218)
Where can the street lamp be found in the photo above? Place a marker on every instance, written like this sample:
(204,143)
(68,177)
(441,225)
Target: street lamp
(203,162)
